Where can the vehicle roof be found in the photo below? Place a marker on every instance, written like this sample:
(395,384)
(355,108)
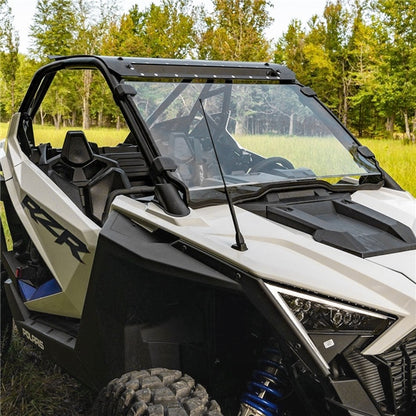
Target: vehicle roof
(188,68)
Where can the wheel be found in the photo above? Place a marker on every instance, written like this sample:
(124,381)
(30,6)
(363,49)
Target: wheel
(266,165)
(6,320)
(155,392)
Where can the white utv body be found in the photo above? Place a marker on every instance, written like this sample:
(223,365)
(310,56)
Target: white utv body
(237,233)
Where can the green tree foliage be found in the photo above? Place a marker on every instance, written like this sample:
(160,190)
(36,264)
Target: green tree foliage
(235,31)
(63,27)
(321,56)
(52,33)
(9,57)
(359,60)
(90,31)
(396,72)
(166,31)
(358,55)
(53,29)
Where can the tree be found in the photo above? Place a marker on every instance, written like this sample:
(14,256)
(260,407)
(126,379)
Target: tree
(290,49)
(53,34)
(235,31)
(330,55)
(121,38)
(89,34)
(65,27)
(396,73)
(363,49)
(53,28)
(9,54)
(166,31)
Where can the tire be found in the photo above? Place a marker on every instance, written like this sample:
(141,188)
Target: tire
(155,392)
(6,321)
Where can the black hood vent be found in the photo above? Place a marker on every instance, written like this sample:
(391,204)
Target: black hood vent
(346,225)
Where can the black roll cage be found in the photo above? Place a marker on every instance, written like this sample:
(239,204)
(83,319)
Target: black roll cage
(115,69)
(167,186)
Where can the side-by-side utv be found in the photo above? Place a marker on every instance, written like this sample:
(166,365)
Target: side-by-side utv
(224,227)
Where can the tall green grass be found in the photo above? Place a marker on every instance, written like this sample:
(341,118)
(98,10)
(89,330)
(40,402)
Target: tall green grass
(323,155)
(101,136)
(49,134)
(34,386)
(396,157)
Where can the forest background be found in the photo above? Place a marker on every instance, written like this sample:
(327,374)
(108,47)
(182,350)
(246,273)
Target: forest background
(359,55)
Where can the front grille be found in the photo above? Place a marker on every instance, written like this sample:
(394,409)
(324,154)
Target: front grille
(369,375)
(389,378)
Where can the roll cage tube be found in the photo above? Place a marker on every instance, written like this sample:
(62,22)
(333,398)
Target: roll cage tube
(45,75)
(166,185)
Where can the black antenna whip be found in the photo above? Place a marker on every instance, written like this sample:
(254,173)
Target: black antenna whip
(240,244)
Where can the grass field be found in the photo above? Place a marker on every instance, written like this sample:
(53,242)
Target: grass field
(396,157)
(31,386)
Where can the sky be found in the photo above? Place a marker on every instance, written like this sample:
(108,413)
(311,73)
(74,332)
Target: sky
(282,13)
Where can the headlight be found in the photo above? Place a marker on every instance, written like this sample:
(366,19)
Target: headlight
(329,326)
(316,313)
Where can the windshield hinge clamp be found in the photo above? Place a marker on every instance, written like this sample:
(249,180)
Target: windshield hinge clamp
(123,90)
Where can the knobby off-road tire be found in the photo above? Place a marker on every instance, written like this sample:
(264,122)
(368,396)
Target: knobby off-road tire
(6,324)
(155,392)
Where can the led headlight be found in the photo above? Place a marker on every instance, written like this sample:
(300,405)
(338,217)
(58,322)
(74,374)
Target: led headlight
(316,313)
(327,326)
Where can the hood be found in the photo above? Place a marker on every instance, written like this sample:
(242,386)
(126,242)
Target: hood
(284,255)
(402,207)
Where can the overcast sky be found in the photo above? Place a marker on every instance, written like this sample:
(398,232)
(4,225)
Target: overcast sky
(282,12)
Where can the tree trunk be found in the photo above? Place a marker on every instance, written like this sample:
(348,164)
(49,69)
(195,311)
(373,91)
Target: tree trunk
(345,106)
(57,120)
(390,125)
(406,124)
(100,118)
(42,116)
(292,116)
(87,79)
(13,96)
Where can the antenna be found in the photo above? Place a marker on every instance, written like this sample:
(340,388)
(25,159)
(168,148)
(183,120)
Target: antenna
(240,244)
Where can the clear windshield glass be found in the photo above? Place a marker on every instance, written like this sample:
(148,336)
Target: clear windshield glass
(263,134)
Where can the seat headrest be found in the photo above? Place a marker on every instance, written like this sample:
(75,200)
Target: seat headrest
(76,150)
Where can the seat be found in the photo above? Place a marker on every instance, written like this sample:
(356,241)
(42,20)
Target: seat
(77,162)
(76,166)
(76,150)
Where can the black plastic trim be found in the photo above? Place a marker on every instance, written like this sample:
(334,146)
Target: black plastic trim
(139,281)
(55,343)
(354,398)
(346,225)
(255,290)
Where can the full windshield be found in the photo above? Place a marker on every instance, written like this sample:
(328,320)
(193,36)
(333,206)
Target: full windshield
(264,134)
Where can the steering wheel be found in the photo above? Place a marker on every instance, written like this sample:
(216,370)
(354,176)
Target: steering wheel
(266,165)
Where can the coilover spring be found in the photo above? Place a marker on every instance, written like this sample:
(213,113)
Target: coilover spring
(267,388)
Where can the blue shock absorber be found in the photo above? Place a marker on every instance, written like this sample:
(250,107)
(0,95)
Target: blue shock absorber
(267,388)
